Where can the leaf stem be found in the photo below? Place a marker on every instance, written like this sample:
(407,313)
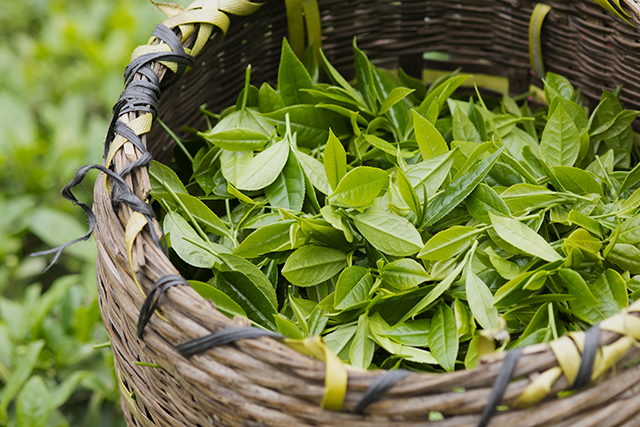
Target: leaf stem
(177,140)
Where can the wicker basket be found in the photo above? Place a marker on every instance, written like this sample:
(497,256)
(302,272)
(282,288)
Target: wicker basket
(262,382)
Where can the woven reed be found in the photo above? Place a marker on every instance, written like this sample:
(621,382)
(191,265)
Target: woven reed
(261,382)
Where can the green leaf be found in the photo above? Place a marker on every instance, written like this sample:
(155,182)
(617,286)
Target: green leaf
(388,233)
(577,181)
(182,237)
(458,190)
(412,333)
(287,191)
(21,372)
(362,347)
(235,263)
(409,194)
(560,142)
(223,303)
(463,129)
(288,328)
(359,187)
(234,163)
(626,257)
(337,77)
(314,170)
(312,264)
(395,96)
(162,176)
(605,305)
(430,141)
(523,238)
(525,197)
(338,340)
(448,243)
(353,287)
(443,337)
(237,139)
(483,200)
(56,227)
(266,239)
(404,274)
(384,86)
(310,124)
(198,210)
(430,174)
(577,287)
(269,99)
(433,103)
(247,295)
(335,160)
(418,355)
(264,168)
(480,301)
(293,76)
(556,85)
(32,405)
(630,231)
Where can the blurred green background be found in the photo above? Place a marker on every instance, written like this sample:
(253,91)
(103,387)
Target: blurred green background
(61,67)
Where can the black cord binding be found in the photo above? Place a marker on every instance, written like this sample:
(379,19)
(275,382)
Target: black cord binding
(500,386)
(379,388)
(222,337)
(591,345)
(151,302)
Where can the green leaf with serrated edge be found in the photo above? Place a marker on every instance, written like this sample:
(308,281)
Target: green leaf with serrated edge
(483,200)
(223,303)
(359,187)
(338,221)
(412,332)
(463,318)
(353,287)
(312,264)
(384,86)
(430,141)
(480,301)
(585,222)
(237,139)
(507,269)
(362,347)
(181,236)
(605,307)
(448,243)
(264,240)
(337,78)
(269,99)
(463,129)
(314,170)
(378,327)
(404,274)
(625,256)
(577,286)
(433,103)
(388,232)
(247,295)
(409,194)
(584,240)
(458,190)
(335,160)
(523,238)
(233,164)
(287,328)
(440,288)
(33,404)
(576,180)
(162,176)
(198,210)
(235,263)
(523,197)
(560,143)
(264,168)
(618,287)
(536,281)
(630,231)
(384,146)
(417,355)
(632,202)
(309,123)
(574,111)
(395,96)
(287,191)
(430,174)
(293,76)
(301,311)
(443,337)
(557,85)
(339,339)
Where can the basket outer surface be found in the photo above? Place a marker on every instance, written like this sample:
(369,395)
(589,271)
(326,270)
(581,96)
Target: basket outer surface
(261,382)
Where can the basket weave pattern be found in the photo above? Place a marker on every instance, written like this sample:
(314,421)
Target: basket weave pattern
(261,382)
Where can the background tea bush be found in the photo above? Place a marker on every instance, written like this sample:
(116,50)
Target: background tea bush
(61,67)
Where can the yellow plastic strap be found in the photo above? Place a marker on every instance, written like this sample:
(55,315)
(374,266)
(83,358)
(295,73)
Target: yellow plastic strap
(623,324)
(335,381)
(610,355)
(136,223)
(296,26)
(568,357)
(535,46)
(609,8)
(314,29)
(140,125)
(199,16)
(539,388)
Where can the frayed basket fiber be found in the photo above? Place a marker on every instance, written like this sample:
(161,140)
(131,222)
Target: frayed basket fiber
(248,379)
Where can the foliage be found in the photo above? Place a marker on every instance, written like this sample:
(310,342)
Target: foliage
(408,230)
(61,64)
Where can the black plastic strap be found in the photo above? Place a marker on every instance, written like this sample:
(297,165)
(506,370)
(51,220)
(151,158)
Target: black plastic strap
(151,302)
(591,345)
(500,386)
(379,388)
(222,337)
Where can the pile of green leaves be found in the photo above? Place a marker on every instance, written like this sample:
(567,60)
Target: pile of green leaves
(407,226)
